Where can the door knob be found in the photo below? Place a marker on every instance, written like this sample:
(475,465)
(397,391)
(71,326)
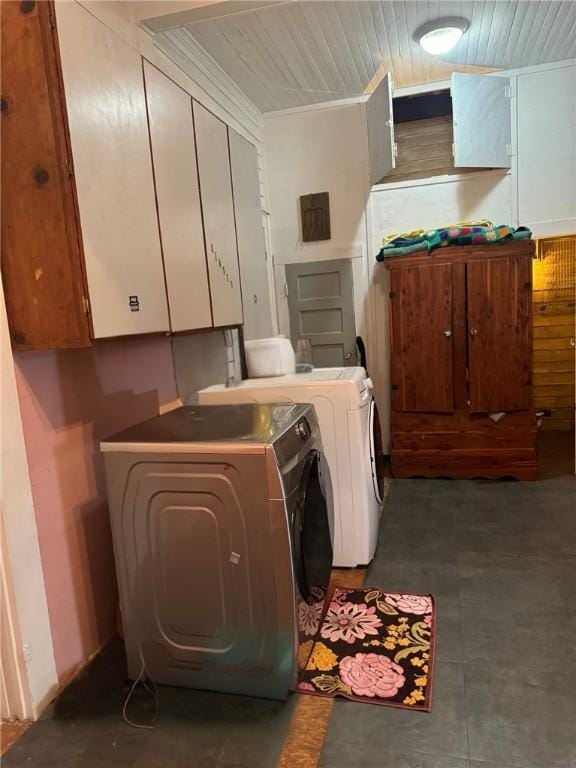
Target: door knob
(473,331)
(447,333)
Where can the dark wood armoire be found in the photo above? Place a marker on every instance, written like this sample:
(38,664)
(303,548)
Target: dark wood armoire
(461,362)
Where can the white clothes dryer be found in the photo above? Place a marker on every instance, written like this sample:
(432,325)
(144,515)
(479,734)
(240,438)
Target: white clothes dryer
(344,404)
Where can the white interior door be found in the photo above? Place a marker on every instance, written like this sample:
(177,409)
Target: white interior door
(251,239)
(380,121)
(482,121)
(106,107)
(178,195)
(321,305)
(218,209)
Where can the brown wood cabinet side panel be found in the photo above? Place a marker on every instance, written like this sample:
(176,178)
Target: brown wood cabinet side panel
(41,258)
(500,334)
(421,328)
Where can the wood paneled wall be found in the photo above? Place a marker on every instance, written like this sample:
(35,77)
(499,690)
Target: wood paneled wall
(554,331)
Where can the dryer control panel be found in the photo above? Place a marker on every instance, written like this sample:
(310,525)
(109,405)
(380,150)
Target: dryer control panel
(292,441)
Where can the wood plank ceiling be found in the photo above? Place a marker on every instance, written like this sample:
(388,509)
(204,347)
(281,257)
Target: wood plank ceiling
(301,53)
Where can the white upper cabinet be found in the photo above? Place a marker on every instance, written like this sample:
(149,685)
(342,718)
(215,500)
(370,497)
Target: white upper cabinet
(482,121)
(380,123)
(178,195)
(106,108)
(218,209)
(251,239)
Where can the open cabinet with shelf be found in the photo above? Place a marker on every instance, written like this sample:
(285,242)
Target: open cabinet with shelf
(456,130)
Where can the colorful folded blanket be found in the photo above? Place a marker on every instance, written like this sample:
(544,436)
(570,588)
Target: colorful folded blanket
(419,233)
(469,233)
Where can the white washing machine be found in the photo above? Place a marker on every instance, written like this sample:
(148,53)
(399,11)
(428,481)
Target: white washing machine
(344,404)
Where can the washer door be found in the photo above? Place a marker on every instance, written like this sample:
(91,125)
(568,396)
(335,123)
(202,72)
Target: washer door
(311,532)
(372,449)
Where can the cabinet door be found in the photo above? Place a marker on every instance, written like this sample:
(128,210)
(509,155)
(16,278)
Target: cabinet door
(499,334)
(380,122)
(421,334)
(106,107)
(218,210)
(178,196)
(251,240)
(482,121)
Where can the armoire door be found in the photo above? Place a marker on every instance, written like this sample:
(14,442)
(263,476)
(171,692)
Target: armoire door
(499,334)
(421,333)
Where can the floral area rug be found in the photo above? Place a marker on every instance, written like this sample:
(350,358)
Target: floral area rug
(371,646)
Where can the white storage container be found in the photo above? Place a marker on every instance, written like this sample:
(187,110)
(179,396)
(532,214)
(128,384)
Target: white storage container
(269,357)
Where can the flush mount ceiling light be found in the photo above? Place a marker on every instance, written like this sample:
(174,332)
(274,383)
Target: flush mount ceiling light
(441,35)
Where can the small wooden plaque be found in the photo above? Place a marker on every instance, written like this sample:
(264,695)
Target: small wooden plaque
(315,214)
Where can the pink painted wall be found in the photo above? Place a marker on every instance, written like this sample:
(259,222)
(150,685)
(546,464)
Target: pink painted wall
(69,401)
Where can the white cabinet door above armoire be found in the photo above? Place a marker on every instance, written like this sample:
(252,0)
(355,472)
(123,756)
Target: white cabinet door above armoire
(106,108)
(218,209)
(380,126)
(482,121)
(178,194)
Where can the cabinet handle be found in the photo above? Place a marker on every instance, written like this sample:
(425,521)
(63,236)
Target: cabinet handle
(447,333)
(474,331)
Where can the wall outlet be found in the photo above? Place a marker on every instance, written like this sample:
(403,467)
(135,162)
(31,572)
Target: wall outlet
(27,653)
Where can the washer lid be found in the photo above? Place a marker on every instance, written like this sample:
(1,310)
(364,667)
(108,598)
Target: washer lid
(210,424)
(313,378)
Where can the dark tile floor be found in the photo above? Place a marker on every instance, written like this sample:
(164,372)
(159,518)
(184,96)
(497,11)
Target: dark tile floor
(500,558)
(195,729)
